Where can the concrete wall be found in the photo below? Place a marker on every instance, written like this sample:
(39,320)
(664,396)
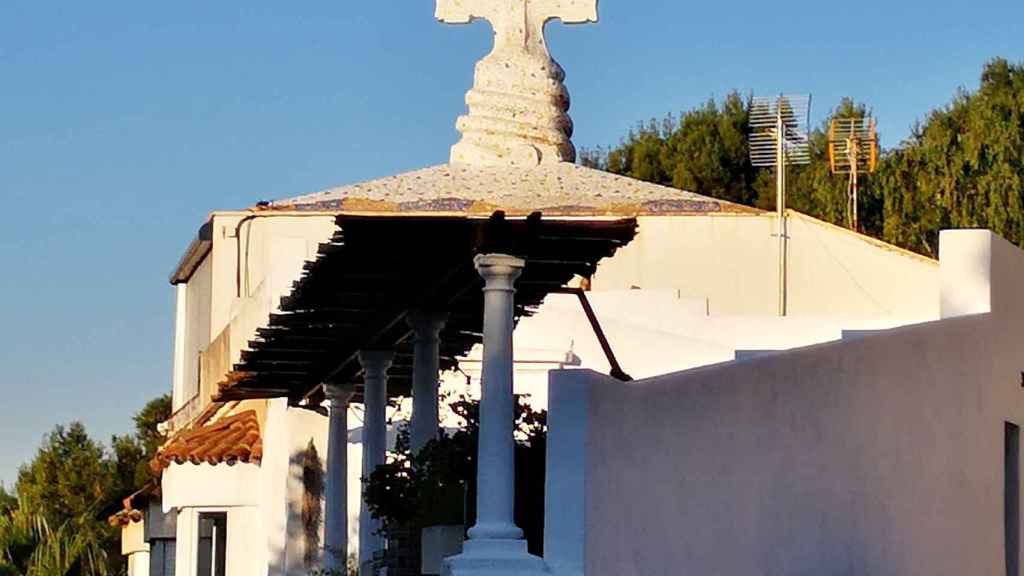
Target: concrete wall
(732,260)
(882,454)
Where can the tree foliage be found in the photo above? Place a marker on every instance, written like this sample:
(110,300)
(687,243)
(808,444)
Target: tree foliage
(69,476)
(962,168)
(29,547)
(132,453)
(706,149)
(437,485)
(58,514)
(8,501)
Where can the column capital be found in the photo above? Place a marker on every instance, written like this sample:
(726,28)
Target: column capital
(426,323)
(338,394)
(377,361)
(499,271)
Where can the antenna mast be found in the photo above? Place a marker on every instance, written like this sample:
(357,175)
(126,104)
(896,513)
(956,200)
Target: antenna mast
(779,137)
(853,149)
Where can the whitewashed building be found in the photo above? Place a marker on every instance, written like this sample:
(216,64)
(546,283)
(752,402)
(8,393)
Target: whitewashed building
(869,429)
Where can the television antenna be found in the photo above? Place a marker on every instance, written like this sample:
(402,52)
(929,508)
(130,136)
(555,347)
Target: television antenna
(853,150)
(779,128)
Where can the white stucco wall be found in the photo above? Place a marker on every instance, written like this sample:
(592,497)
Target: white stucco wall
(881,454)
(651,332)
(267,497)
(138,563)
(135,547)
(252,263)
(203,485)
(287,435)
(197,331)
(732,260)
(243,529)
(189,490)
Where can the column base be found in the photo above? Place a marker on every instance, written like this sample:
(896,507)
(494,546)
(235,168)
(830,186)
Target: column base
(494,558)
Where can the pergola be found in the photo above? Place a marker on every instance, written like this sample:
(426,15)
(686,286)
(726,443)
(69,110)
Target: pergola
(376,270)
(389,301)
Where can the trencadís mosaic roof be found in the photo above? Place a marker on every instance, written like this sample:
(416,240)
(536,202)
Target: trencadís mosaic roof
(553,189)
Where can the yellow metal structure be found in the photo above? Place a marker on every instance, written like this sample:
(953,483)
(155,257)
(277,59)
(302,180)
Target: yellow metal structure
(853,150)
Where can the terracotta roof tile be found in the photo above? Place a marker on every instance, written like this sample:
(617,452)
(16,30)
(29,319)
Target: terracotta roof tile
(232,439)
(125,517)
(131,505)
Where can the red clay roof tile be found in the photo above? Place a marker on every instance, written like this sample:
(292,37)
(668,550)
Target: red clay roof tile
(232,439)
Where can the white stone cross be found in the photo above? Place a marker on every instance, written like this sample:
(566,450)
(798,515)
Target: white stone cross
(518,107)
(517,23)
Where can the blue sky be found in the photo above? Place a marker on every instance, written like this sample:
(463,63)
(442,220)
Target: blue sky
(122,123)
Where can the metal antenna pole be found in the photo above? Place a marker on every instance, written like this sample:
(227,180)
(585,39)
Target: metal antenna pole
(779,136)
(855,225)
(853,157)
(780,204)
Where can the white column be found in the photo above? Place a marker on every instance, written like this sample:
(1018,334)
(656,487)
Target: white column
(336,490)
(375,397)
(495,544)
(426,327)
(496,465)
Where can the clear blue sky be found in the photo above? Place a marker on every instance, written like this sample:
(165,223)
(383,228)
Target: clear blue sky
(122,123)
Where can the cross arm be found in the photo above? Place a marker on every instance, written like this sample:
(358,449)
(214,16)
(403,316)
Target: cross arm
(568,11)
(465,11)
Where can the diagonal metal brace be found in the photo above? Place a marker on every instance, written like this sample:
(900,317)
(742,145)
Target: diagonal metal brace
(616,371)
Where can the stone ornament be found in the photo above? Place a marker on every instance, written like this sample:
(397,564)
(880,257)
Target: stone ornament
(518,106)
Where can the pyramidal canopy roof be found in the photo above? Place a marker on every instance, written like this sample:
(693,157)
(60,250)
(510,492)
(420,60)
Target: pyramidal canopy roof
(558,188)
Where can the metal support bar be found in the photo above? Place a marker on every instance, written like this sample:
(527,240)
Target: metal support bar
(616,371)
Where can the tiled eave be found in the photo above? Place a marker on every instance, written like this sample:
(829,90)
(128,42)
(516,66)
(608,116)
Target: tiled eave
(227,440)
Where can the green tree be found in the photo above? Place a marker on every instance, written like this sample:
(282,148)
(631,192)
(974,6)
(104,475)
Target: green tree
(29,547)
(8,501)
(962,168)
(73,479)
(147,420)
(437,485)
(132,453)
(706,151)
(69,476)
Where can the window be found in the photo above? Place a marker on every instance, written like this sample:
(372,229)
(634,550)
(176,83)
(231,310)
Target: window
(161,557)
(213,539)
(1011,498)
